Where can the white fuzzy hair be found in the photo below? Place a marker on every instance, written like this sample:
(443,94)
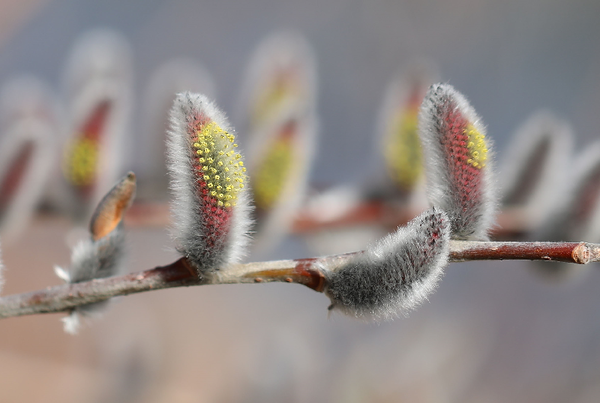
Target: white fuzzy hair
(90,260)
(473,223)
(396,274)
(189,230)
(170,78)
(543,140)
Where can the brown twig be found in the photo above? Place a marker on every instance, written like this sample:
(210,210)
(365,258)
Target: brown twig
(309,272)
(570,252)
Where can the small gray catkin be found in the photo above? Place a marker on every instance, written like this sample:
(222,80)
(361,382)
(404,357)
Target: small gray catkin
(397,273)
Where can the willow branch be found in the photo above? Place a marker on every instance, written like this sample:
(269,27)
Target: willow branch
(308,272)
(512,223)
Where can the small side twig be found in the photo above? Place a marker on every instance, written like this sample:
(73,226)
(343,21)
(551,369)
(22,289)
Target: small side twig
(309,272)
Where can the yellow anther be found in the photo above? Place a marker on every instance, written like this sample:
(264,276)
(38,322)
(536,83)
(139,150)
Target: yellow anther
(218,164)
(228,204)
(476,146)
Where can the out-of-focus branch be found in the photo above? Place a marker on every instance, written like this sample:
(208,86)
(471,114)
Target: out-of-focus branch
(511,223)
(309,272)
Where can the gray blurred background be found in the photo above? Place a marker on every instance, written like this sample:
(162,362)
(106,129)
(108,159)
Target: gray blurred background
(491,333)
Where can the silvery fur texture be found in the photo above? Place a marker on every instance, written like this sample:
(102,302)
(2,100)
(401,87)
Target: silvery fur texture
(397,273)
(189,226)
(90,260)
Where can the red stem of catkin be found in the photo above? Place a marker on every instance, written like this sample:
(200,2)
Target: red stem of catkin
(301,271)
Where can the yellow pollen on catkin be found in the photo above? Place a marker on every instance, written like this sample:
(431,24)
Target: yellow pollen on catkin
(477,148)
(210,141)
(272,174)
(403,153)
(80,161)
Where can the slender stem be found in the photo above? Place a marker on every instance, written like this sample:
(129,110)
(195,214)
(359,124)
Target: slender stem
(309,272)
(177,274)
(571,252)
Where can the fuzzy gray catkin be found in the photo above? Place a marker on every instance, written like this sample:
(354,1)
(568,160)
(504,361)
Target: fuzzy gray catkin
(99,256)
(92,259)
(457,162)
(397,273)
(211,210)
